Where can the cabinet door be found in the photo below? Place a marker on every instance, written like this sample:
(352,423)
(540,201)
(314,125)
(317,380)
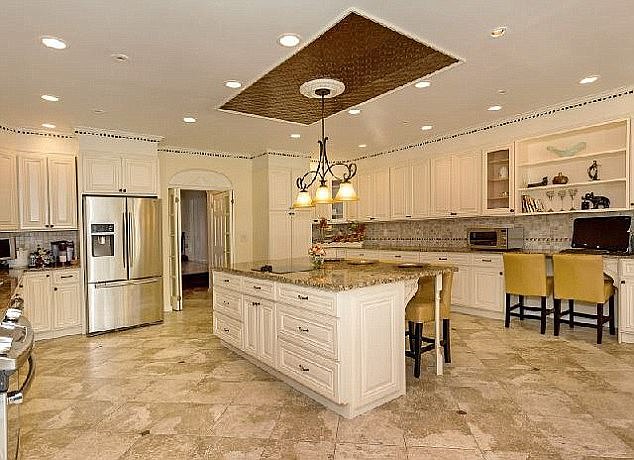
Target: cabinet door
(366,198)
(62,191)
(66,306)
(488,289)
(280,187)
(267,334)
(102,173)
(351,208)
(466,181)
(279,235)
(301,233)
(381,194)
(420,189)
(441,186)
(401,192)
(250,328)
(140,175)
(497,180)
(9,219)
(461,286)
(33,192)
(37,300)
(626,307)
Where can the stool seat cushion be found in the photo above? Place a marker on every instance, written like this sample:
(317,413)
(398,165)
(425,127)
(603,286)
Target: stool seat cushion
(420,308)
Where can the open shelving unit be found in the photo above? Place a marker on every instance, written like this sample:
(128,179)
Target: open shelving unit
(498,183)
(606,143)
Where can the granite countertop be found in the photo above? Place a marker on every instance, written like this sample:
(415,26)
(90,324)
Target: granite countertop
(9,280)
(337,276)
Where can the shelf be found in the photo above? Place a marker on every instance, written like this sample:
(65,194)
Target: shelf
(576,211)
(572,184)
(572,158)
(498,198)
(498,180)
(497,162)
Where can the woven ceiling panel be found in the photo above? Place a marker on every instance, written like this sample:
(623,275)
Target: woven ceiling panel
(369,58)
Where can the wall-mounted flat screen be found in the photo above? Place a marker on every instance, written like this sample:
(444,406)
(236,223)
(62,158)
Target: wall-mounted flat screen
(604,233)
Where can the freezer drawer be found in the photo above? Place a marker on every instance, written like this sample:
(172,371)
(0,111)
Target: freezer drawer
(106,302)
(144,303)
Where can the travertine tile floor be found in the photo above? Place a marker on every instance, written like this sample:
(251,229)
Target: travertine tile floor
(172,392)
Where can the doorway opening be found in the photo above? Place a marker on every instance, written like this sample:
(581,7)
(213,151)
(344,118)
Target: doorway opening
(194,239)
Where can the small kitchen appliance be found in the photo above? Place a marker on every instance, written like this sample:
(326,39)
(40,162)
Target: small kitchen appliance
(496,238)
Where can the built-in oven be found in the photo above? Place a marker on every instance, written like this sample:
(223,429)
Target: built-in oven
(7,248)
(496,238)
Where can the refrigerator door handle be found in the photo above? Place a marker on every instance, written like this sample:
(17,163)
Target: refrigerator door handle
(148,281)
(131,237)
(125,239)
(110,284)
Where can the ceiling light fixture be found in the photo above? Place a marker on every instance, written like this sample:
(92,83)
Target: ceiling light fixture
(588,79)
(502,91)
(120,57)
(53,42)
(494,108)
(295,136)
(98,111)
(324,88)
(422,84)
(498,32)
(189,120)
(426,127)
(49,98)
(362,146)
(289,40)
(354,111)
(233,84)
(48,125)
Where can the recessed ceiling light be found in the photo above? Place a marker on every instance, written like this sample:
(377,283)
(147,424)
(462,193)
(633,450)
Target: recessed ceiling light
(189,120)
(422,84)
(98,111)
(289,40)
(120,57)
(49,98)
(48,125)
(589,79)
(362,146)
(234,84)
(354,111)
(495,108)
(53,42)
(498,32)
(501,91)
(426,127)
(296,136)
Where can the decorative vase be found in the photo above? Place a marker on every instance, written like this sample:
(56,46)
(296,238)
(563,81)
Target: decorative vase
(317,261)
(560,179)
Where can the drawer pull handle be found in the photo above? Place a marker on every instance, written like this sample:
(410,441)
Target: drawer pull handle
(398,257)
(487,260)
(226,329)
(408,216)
(442,258)
(304,369)
(301,329)
(302,297)
(255,304)
(257,288)
(66,276)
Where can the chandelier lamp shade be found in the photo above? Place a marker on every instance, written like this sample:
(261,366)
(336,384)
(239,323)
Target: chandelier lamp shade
(323,174)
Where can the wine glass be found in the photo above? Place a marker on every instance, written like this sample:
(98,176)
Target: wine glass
(562,194)
(572,192)
(550,194)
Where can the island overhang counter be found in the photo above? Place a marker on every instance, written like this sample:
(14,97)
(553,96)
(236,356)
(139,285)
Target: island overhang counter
(335,333)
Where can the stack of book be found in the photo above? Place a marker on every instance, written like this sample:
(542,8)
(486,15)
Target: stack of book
(530,204)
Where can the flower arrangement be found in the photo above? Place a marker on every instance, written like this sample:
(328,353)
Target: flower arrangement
(317,255)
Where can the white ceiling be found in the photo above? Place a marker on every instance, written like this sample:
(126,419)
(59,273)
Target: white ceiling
(181,52)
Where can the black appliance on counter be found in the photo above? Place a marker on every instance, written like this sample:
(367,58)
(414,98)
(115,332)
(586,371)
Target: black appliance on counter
(610,234)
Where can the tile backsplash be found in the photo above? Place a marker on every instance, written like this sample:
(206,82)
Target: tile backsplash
(32,240)
(548,231)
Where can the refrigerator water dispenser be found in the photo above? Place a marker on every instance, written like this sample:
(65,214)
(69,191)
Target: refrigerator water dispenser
(102,236)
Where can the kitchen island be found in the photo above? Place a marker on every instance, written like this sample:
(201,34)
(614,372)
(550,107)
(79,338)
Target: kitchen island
(335,333)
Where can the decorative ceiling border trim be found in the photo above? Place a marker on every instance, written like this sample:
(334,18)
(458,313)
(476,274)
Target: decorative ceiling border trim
(116,134)
(205,153)
(35,132)
(539,113)
(283,154)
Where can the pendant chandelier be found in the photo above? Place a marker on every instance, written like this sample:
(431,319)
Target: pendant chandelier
(325,88)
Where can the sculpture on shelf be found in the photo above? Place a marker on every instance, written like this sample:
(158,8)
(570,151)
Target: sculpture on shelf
(560,179)
(539,184)
(571,151)
(597,201)
(593,171)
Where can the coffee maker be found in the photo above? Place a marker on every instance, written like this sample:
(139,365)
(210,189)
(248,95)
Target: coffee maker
(60,252)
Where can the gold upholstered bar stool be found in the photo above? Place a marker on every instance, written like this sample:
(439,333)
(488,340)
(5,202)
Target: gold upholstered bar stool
(580,277)
(420,310)
(525,276)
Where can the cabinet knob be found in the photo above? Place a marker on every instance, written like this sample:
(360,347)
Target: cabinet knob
(55,289)
(501,273)
(48,276)
(303,369)
(121,190)
(622,281)
(302,297)
(51,225)
(226,329)
(125,189)
(453,213)
(512,210)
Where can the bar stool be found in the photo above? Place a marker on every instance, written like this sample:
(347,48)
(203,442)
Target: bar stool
(525,276)
(420,310)
(580,277)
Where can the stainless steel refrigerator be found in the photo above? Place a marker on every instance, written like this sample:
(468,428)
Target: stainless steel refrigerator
(123,262)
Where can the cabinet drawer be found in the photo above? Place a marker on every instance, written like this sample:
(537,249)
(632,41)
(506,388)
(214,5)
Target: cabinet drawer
(260,288)
(228,303)
(488,260)
(228,329)
(399,256)
(309,330)
(227,281)
(311,299)
(66,277)
(446,258)
(362,254)
(317,373)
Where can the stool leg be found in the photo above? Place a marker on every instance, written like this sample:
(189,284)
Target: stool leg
(557,303)
(571,318)
(417,344)
(410,330)
(599,323)
(507,316)
(521,302)
(446,337)
(612,318)
(543,317)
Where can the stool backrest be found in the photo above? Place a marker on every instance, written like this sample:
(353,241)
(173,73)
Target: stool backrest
(421,307)
(525,274)
(579,277)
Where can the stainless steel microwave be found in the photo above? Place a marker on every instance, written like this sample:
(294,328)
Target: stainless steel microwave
(498,238)
(7,248)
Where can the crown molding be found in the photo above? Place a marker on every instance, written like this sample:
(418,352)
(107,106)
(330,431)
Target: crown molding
(117,134)
(35,132)
(206,153)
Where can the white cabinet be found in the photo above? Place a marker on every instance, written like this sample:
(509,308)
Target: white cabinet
(420,189)
(626,302)
(409,190)
(266,336)
(48,192)
(455,184)
(497,180)
(441,186)
(374,195)
(112,173)
(280,229)
(9,214)
(280,187)
(52,302)
(488,288)
(250,328)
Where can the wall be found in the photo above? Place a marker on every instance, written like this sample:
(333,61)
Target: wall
(194,224)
